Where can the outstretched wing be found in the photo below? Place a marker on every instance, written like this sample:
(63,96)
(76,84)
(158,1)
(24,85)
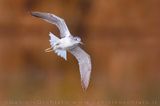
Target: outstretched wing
(84,62)
(53,19)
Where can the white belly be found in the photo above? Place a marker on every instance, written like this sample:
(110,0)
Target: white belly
(66,43)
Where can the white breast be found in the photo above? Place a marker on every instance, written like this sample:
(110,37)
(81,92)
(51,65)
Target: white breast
(66,43)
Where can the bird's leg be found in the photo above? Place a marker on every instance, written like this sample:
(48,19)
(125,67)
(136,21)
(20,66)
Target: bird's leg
(52,48)
(49,49)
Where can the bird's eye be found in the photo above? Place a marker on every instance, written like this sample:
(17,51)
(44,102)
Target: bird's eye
(77,39)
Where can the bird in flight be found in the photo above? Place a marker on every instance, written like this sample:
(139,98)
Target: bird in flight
(67,43)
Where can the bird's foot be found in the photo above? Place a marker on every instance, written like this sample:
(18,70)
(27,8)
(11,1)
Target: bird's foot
(49,49)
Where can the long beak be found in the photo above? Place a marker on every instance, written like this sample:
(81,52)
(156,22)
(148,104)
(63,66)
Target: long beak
(81,43)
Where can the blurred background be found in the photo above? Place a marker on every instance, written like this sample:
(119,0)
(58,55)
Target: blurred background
(122,37)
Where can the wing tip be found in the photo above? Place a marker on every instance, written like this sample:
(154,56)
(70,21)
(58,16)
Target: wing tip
(85,80)
(34,13)
(84,86)
(85,83)
(37,14)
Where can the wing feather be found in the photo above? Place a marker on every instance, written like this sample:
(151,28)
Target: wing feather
(84,62)
(53,19)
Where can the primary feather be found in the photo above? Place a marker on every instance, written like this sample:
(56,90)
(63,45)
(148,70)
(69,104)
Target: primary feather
(53,19)
(84,62)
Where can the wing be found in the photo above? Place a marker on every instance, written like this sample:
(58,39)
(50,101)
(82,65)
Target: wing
(53,19)
(84,62)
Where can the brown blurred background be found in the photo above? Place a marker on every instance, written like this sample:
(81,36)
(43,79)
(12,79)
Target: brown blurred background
(122,37)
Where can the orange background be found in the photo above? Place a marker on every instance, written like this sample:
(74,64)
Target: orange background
(122,37)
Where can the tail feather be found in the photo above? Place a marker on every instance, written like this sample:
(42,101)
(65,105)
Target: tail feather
(53,40)
(62,53)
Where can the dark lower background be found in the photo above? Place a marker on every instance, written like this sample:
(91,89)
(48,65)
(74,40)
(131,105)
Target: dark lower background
(122,37)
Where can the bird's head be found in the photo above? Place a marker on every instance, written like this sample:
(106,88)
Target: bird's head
(77,40)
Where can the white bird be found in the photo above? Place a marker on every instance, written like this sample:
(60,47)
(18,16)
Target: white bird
(67,43)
